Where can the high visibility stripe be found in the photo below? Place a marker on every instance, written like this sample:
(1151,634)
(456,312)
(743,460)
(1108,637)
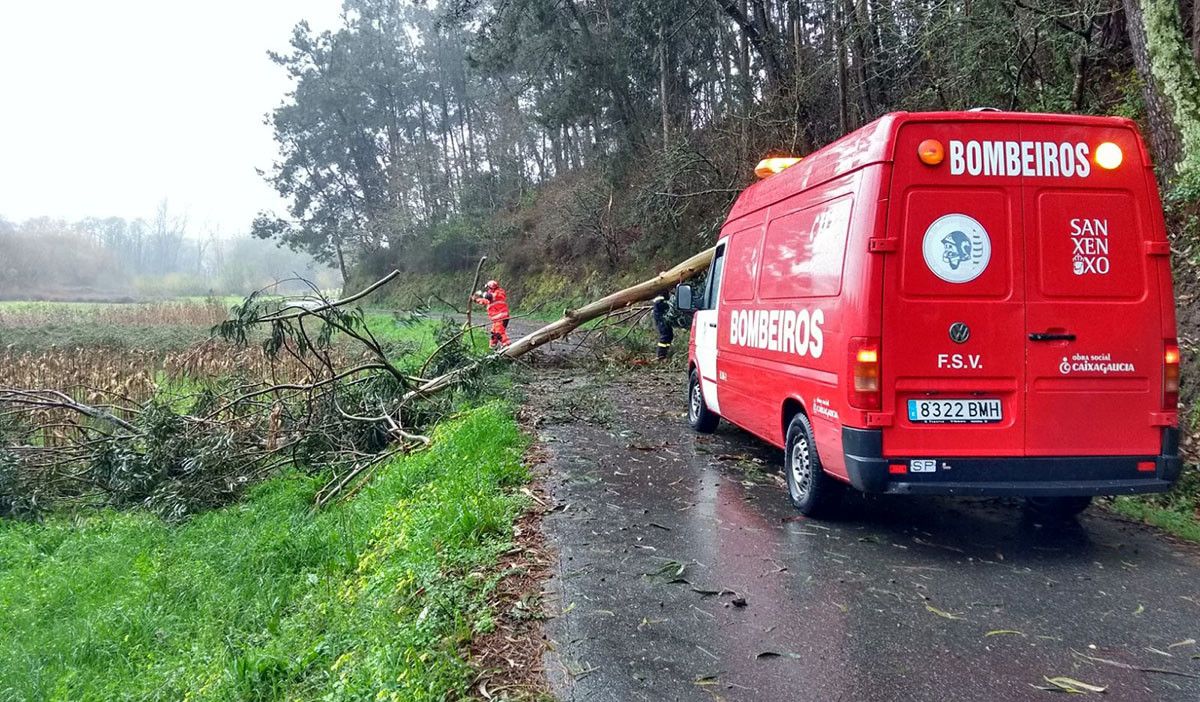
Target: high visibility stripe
(661,345)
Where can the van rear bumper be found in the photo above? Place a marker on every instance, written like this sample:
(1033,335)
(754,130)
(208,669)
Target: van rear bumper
(1020,476)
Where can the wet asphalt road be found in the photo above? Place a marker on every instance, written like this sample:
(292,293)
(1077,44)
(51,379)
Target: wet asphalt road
(684,574)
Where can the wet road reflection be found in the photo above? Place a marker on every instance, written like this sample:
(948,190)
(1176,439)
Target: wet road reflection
(685,574)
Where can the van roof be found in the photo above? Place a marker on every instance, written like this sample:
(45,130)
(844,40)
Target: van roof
(875,143)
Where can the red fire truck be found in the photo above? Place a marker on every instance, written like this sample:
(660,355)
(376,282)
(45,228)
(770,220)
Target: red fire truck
(963,303)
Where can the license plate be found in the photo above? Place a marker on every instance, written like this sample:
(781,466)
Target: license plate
(954,411)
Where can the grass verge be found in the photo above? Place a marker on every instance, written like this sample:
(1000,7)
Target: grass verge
(368,599)
(1176,512)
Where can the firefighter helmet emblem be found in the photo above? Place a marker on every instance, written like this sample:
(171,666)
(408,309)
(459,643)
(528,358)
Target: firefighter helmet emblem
(957,248)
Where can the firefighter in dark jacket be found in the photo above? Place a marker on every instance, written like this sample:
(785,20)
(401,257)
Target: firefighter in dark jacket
(662,322)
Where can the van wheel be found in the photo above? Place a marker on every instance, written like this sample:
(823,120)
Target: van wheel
(700,416)
(810,488)
(1058,507)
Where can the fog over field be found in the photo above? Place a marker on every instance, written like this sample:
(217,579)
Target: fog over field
(112,110)
(118,259)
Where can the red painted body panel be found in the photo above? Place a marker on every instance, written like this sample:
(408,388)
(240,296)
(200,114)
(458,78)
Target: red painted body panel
(1008,236)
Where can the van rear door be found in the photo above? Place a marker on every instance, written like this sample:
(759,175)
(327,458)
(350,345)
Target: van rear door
(1024,272)
(953,347)
(1093,308)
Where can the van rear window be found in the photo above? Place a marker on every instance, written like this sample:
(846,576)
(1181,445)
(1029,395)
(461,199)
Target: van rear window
(804,251)
(1089,244)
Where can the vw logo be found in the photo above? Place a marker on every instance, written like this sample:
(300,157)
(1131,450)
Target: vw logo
(959,332)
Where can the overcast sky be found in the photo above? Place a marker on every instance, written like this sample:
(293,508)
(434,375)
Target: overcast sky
(109,106)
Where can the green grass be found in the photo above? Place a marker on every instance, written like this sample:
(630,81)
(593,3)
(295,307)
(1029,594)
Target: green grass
(1177,511)
(1176,522)
(420,335)
(92,335)
(73,325)
(34,306)
(367,599)
(388,329)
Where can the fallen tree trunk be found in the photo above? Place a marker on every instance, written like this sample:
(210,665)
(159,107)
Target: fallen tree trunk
(645,290)
(573,319)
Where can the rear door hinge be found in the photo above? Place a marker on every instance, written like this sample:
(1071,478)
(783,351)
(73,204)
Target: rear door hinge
(883,245)
(1158,248)
(1164,419)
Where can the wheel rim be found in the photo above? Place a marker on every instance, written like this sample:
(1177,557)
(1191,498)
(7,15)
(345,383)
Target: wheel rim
(801,467)
(696,403)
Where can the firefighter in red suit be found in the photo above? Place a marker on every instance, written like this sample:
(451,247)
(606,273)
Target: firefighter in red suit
(495,299)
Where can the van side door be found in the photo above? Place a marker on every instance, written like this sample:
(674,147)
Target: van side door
(704,325)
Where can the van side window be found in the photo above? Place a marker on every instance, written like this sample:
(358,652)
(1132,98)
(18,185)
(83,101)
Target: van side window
(742,254)
(714,278)
(804,251)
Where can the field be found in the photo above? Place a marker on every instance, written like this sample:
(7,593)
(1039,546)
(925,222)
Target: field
(372,596)
(369,599)
(33,326)
(94,351)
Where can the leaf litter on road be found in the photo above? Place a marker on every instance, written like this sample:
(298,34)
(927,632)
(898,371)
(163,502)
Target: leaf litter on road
(944,614)
(768,655)
(672,567)
(1139,668)
(1062,683)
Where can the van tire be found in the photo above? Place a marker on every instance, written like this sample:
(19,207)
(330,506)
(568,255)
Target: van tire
(700,417)
(1058,507)
(812,491)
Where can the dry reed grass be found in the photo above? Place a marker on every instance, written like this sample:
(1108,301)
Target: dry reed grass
(130,378)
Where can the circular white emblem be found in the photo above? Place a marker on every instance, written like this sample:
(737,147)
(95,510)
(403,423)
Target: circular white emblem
(957,248)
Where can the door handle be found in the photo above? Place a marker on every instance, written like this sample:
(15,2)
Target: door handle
(1048,336)
(713,325)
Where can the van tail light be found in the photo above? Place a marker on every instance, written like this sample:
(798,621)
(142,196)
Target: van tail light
(1171,375)
(864,373)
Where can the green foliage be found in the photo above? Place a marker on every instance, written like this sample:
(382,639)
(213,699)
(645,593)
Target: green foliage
(17,499)
(368,599)
(1176,73)
(560,139)
(453,348)
(163,326)
(197,439)
(1174,511)
(93,335)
